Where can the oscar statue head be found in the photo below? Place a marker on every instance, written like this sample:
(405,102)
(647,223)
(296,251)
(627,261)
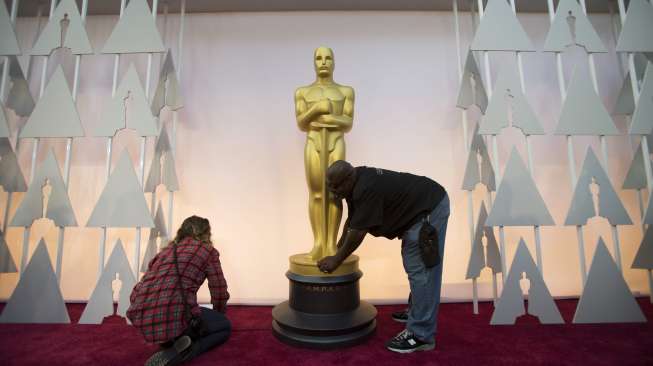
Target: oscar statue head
(324,62)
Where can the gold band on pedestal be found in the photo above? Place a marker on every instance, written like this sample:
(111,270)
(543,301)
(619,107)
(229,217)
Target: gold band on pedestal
(303,264)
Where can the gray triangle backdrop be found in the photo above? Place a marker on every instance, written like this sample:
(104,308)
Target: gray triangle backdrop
(19,97)
(642,123)
(122,202)
(500,30)
(76,38)
(8,42)
(36,298)
(636,176)
(511,303)
(518,202)
(644,257)
(477,260)
(55,114)
(165,173)
(100,305)
(472,93)
(606,297)
(472,178)
(158,231)
(496,116)
(11,177)
(636,32)
(583,112)
(168,91)
(59,208)
(4,126)
(582,205)
(136,20)
(560,34)
(116,115)
(7,264)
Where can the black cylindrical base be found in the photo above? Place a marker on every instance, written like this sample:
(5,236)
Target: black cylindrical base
(324,312)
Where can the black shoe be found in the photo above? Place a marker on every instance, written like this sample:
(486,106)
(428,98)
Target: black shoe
(400,316)
(406,342)
(173,355)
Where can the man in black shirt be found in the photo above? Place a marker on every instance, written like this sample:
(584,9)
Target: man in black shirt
(391,204)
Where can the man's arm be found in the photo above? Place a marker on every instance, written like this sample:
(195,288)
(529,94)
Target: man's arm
(350,240)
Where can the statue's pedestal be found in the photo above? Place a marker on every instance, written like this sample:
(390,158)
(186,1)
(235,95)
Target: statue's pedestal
(324,311)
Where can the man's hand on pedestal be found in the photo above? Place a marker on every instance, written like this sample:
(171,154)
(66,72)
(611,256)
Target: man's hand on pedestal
(328,264)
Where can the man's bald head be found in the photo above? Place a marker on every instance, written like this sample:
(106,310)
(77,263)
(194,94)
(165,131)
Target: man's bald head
(338,171)
(340,178)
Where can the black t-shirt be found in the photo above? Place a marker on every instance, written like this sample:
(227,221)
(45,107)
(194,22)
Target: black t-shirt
(387,203)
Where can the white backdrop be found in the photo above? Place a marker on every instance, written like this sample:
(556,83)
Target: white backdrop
(240,154)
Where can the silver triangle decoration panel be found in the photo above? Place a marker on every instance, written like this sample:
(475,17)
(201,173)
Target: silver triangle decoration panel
(116,273)
(585,203)
(511,303)
(479,165)
(55,114)
(572,27)
(136,19)
(606,297)
(158,232)
(509,107)
(477,258)
(583,112)
(642,123)
(168,90)
(37,297)
(122,202)
(128,109)
(472,90)
(500,30)
(162,169)
(4,126)
(7,264)
(8,41)
(636,175)
(47,197)
(11,176)
(636,31)
(518,202)
(644,256)
(65,29)
(19,98)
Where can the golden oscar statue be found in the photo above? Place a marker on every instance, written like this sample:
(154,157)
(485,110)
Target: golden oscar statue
(325,111)
(324,310)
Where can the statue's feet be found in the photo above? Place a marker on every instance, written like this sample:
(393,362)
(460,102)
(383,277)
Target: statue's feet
(316,253)
(330,249)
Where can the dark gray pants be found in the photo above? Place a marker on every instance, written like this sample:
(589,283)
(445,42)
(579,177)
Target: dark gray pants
(218,329)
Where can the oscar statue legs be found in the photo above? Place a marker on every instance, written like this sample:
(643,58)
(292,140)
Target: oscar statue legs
(314,178)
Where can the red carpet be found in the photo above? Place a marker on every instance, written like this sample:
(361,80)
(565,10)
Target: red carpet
(463,339)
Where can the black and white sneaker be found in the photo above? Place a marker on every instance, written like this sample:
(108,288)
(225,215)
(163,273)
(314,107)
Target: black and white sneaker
(400,316)
(173,355)
(406,342)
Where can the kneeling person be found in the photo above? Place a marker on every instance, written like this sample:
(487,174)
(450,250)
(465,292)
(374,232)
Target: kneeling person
(164,302)
(391,204)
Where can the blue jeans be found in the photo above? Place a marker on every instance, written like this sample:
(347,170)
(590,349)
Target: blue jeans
(218,329)
(425,283)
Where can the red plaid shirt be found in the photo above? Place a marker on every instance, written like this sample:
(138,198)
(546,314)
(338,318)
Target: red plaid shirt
(157,309)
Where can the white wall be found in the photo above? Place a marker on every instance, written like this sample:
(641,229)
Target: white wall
(240,160)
